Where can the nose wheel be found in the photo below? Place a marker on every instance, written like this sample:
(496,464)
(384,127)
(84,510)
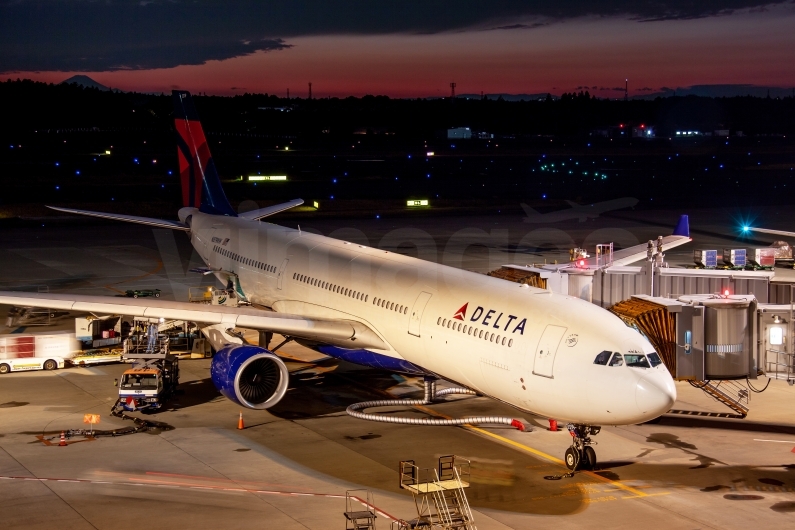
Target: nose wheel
(581,455)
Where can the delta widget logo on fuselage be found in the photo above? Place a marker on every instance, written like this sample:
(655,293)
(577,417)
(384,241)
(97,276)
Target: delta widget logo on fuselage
(486,318)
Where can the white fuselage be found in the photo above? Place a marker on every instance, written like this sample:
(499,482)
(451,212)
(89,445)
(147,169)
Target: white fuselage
(527,347)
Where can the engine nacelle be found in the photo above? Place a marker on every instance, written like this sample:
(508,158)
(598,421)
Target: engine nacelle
(249,375)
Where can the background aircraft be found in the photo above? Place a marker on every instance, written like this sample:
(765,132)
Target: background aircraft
(577,211)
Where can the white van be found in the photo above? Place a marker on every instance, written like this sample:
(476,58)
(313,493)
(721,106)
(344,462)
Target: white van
(36,352)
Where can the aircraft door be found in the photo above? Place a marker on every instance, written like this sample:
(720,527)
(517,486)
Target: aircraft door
(416,313)
(280,277)
(546,350)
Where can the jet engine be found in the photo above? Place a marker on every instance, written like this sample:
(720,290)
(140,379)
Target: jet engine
(249,375)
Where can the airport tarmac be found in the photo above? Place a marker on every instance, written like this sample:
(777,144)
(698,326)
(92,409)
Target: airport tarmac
(291,466)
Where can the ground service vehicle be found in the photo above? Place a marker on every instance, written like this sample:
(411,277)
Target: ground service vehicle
(137,293)
(150,382)
(36,352)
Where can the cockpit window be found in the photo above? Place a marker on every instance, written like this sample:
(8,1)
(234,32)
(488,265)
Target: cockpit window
(602,358)
(654,359)
(637,360)
(617,360)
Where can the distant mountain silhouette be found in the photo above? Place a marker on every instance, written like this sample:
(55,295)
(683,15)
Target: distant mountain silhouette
(84,81)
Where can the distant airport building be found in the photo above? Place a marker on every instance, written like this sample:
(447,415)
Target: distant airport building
(459,133)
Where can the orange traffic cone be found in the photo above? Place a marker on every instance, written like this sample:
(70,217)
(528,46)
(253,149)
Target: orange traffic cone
(62,443)
(240,422)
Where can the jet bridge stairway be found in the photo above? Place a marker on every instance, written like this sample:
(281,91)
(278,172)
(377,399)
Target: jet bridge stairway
(731,393)
(439,494)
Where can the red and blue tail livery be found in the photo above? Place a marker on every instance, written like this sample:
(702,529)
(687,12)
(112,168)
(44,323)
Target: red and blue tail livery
(201,185)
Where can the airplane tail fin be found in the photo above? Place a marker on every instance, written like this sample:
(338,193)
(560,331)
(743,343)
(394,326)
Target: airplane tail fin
(682,227)
(201,185)
(528,210)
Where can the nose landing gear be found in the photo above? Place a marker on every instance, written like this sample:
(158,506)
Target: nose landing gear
(581,455)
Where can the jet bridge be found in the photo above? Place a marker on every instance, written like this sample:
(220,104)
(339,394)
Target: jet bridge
(718,343)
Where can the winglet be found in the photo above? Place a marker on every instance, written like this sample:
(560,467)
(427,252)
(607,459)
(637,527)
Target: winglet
(682,227)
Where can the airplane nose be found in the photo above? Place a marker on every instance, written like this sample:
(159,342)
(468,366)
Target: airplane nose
(655,394)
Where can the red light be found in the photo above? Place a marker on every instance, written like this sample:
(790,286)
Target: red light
(581,263)
(642,126)
(622,125)
(725,292)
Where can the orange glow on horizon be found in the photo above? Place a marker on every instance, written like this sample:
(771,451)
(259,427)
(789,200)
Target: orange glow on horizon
(756,48)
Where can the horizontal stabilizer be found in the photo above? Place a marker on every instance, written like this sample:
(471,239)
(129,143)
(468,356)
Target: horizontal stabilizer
(253,215)
(159,223)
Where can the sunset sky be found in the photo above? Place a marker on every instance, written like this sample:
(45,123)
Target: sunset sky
(357,48)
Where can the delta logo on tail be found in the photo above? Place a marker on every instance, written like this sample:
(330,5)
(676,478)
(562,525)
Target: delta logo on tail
(461,314)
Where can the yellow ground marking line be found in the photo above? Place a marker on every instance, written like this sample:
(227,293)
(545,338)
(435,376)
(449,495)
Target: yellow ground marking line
(635,492)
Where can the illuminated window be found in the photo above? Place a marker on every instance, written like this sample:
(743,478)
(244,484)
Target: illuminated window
(776,336)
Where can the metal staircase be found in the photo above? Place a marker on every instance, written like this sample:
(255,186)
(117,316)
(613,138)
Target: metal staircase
(732,393)
(439,494)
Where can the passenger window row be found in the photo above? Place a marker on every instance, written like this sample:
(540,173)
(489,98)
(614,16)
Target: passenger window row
(392,306)
(245,261)
(474,332)
(334,288)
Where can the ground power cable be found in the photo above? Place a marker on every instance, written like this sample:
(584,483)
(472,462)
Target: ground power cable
(431,394)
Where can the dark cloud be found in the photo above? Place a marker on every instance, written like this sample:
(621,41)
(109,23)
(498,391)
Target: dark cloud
(91,35)
(645,89)
(524,26)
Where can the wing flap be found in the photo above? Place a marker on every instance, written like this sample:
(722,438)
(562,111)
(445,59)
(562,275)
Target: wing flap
(343,333)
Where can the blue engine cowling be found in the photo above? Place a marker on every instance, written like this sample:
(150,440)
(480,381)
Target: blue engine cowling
(249,375)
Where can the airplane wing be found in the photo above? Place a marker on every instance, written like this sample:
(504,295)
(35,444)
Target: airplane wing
(638,252)
(769,231)
(339,332)
(159,223)
(253,215)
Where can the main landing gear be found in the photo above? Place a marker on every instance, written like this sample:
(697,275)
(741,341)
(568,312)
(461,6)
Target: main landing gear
(581,455)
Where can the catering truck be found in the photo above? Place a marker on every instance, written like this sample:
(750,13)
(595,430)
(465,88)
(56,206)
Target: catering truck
(46,351)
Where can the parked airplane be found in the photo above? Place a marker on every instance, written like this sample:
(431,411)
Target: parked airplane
(577,211)
(547,354)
